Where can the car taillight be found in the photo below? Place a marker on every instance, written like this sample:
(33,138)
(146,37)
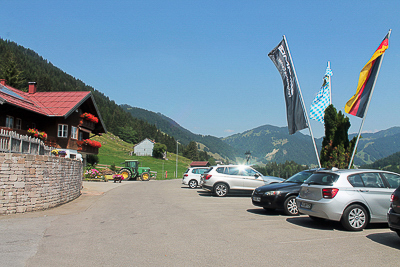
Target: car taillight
(329,192)
(208,176)
(185,175)
(393,197)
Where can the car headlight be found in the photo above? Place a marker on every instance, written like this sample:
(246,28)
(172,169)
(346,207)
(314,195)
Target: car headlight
(272,193)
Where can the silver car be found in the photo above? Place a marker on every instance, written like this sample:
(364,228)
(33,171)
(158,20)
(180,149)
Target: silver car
(353,197)
(223,179)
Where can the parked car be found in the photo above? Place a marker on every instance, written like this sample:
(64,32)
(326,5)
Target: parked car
(393,215)
(191,177)
(353,197)
(224,179)
(281,195)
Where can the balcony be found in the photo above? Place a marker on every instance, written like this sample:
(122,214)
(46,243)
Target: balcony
(83,148)
(87,124)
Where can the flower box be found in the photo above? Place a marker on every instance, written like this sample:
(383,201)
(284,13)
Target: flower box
(90,117)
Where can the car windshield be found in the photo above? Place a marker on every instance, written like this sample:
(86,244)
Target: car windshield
(299,177)
(322,178)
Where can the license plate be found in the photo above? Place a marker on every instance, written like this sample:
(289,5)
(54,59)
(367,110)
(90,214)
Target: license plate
(257,199)
(305,205)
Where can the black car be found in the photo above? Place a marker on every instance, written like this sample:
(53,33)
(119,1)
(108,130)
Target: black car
(281,195)
(393,214)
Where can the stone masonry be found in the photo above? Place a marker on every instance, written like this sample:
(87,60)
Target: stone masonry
(35,182)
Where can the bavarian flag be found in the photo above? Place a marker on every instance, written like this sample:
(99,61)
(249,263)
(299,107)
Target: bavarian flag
(357,104)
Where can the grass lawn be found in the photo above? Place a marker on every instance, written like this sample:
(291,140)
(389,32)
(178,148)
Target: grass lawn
(115,151)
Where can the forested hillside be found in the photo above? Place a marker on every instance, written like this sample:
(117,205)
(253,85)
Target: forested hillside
(210,144)
(19,66)
(390,163)
(266,144)
(270,143)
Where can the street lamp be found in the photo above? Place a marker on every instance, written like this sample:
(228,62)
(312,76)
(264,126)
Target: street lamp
(176,173)
(248,155)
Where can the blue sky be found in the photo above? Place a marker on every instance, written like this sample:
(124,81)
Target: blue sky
(205,64)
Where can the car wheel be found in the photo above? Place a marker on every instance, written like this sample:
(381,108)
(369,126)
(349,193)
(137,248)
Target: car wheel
(290,206)
(192,183)
(221,189)
(354,218)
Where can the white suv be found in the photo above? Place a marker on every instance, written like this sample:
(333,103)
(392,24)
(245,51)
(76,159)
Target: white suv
(191,177)
(234,178)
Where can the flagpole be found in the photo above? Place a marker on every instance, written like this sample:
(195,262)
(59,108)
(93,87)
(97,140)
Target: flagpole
(330,88)
(366,108)
(302,103)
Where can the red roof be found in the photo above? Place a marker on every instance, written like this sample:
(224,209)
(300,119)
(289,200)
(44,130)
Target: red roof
(58,104)
(200,164)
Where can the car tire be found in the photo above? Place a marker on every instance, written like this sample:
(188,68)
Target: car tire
(221,189)
(355,218)
(290,206)
(192,184)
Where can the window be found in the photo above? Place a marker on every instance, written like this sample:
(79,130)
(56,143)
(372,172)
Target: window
(74,132)
(321,178)
(80,135)
(62,130)
(18,123)
(10,122)
(393,179)
(355,180)
(372,180)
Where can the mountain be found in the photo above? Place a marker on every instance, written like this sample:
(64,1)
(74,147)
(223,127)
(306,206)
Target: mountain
(266,143)
(390,163)
(271,143)
(214,146)
(374,146)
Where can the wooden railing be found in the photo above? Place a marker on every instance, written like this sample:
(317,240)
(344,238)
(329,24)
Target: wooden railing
(11,142)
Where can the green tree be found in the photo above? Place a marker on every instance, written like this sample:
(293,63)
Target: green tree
(92,160)
(191,151)
(11,72)
(159,150)
(336,148)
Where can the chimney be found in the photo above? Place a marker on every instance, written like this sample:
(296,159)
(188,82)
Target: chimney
(3,81)
(32,87)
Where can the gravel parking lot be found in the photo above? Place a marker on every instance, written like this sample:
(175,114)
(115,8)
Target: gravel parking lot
(167,224)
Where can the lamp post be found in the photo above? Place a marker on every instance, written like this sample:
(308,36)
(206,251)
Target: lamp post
(176,173)
(248,155)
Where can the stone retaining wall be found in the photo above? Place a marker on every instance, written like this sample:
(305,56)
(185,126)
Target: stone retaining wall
(35,182)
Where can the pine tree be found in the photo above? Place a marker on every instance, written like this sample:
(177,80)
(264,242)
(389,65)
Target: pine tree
(336,147)
(11,72)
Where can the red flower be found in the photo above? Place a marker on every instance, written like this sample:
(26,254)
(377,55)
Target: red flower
(90,117)
(92,143)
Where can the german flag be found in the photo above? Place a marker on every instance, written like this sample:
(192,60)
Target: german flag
(357,104)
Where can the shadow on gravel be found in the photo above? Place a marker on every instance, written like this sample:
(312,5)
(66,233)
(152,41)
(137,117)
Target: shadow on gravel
(261,211)
(321,224)
(388,239)
(203,193)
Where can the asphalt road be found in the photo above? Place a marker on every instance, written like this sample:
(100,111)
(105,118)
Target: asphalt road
(163,223)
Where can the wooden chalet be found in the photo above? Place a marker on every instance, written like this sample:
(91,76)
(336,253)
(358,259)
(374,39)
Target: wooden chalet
(64,120)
